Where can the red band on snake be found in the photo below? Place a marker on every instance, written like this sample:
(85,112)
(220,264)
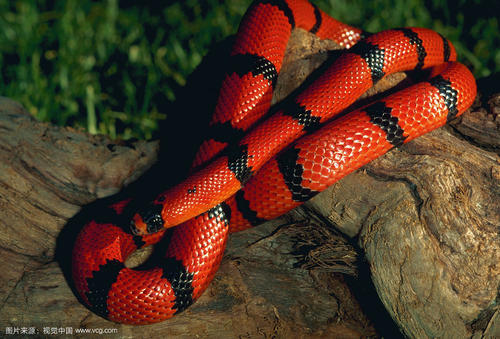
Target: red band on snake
(244,176)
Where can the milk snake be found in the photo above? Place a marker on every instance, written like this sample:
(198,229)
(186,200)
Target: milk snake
(246,173)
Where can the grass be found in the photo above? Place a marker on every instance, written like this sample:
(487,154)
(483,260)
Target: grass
(110,67)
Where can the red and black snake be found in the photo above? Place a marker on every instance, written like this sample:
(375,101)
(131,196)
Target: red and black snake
(246,173)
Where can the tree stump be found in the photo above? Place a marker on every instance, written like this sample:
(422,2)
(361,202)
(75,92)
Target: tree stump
(424,219)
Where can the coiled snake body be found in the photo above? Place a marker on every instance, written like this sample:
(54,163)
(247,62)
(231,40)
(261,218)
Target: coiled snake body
(281,162)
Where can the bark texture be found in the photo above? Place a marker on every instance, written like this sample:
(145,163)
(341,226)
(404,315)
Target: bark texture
(424,219)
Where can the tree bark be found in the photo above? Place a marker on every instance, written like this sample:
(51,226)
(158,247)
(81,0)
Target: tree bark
(423,219)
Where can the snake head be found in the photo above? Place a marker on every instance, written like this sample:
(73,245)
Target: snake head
(147,220)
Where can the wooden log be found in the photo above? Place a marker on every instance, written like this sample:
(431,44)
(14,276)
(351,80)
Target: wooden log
(426,217)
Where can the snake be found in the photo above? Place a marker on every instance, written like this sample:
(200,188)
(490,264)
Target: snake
(258,162)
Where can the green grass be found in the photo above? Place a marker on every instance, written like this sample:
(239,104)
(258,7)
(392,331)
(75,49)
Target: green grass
(111,67)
